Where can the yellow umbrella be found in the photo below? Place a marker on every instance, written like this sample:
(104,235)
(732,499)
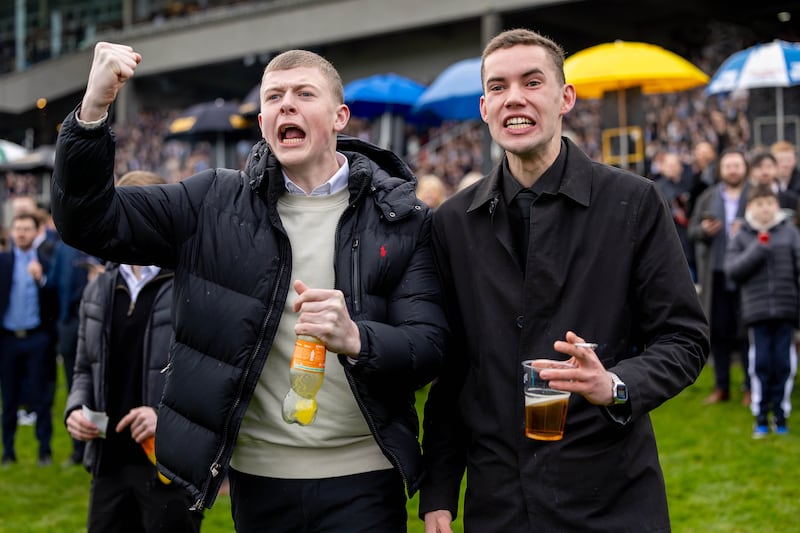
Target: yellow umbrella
(621,65)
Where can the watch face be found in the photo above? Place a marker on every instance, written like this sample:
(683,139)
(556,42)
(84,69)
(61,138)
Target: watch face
(621,392)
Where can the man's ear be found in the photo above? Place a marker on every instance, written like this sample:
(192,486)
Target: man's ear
(342,118)
(568,99)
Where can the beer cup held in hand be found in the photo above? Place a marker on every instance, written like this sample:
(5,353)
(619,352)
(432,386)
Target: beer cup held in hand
(545,408)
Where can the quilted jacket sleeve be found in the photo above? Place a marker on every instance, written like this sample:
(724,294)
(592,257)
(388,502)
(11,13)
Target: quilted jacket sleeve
(135,225)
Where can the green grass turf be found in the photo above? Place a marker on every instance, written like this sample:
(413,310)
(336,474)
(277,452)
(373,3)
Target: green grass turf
(718,478)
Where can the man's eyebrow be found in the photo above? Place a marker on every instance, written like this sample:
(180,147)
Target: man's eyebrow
(531,72)
(287,87)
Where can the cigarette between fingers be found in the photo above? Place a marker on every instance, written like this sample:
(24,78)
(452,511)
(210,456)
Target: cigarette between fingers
(590,345)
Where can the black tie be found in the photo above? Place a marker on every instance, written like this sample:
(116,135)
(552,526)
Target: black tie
(524,199)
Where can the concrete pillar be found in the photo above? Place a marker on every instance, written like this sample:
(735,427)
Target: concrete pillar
(127,14)
(20,34)
(491,25)
(126,106)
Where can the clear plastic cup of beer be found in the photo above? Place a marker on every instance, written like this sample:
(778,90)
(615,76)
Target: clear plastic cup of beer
(545,407)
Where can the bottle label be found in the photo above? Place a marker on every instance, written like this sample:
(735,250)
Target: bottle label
(308,356)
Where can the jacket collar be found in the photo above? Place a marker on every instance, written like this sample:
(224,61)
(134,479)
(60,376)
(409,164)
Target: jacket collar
(779,217)
(373,171)
(576,183)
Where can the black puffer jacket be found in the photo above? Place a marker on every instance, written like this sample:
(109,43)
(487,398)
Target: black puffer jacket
(221,233)
(767,273)
(94,333)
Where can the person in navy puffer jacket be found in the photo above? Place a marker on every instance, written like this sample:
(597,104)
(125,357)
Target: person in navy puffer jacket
(764,259)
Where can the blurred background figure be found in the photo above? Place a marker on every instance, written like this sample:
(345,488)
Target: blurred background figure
(717,217)
(763,259)
(431,190)
(786,158)
(673,182)
(703,170)
(28,314)
(764,171)
(68,276)
(468,179)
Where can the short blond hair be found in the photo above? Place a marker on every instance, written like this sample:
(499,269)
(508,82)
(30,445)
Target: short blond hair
(292,59)
(781,146)
(140,177)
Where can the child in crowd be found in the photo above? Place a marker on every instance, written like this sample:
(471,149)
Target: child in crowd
(764,259)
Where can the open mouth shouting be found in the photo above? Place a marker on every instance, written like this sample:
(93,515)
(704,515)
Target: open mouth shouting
(291,134)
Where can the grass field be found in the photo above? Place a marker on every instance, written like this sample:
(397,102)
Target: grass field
(718,478)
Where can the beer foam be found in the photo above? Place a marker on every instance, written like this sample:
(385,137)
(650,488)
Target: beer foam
(550,397)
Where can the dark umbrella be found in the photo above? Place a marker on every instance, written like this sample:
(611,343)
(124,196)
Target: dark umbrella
(210,118)
(217,121)
(251,105)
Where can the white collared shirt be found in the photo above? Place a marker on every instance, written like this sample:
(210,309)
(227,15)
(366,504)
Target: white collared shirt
(336,183)
(135,285)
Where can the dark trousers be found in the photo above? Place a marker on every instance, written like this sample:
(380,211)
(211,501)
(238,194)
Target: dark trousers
(726,335)
(68,347)
(26,358)
(133,500)
(373,502)
(771,375)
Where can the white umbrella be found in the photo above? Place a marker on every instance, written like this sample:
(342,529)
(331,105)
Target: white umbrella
(775,64)
(10,151)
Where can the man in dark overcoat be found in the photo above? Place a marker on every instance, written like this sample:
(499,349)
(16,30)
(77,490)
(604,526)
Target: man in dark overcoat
(590,255)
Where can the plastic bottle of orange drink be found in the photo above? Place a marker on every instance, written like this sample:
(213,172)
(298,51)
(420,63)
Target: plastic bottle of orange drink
(306,372)
(149,447)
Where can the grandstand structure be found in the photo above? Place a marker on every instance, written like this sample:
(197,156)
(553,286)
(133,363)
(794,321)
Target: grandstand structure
(200,50)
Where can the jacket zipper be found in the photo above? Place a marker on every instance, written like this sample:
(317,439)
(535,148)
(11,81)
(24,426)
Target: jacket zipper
(216,467)
(356,308)
(356,278)
(371,423)
(147,338)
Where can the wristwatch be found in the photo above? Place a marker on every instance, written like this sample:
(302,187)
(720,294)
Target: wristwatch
(619,392)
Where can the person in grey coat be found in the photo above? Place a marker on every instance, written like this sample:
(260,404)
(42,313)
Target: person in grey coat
(716,217)
(764,259)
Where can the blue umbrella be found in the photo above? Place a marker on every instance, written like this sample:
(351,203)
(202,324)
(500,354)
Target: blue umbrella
(455,93)
(775,64)
(382,93)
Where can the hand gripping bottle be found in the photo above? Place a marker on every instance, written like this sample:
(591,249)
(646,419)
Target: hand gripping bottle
(149,447)
(306,373)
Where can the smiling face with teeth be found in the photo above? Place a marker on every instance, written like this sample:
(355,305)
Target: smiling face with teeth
(300,117)
(523,104)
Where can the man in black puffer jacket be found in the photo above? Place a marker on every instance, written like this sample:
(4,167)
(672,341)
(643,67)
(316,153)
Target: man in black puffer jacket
(342,221)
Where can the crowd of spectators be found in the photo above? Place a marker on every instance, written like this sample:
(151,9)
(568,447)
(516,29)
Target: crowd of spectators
(672,123)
